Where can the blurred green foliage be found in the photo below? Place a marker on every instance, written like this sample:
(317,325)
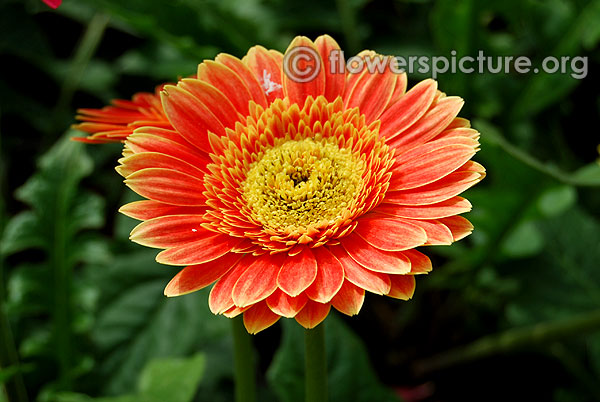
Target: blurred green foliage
(82,316)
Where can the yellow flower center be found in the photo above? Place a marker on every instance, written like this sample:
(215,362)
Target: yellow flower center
(299,183)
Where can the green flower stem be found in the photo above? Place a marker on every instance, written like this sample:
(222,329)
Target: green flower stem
(245,388)
(62,271)
(511,340)
(83,54)
(549,170)
(316,364)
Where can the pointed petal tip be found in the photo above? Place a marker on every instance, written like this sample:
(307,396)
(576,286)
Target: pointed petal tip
(259,317)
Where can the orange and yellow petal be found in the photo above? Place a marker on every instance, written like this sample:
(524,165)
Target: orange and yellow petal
(312,314)
(196,277)
(349,299)
(297,273)
(305,58)
(330,276)
(116,122)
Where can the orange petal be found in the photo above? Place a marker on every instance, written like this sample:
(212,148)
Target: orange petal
(220,299)
(285,305)
(389,234)
(372,91)
(228,82)
(235,311)
(459,226)
(148,209)
(170,231)
(399,89)
(329,279)
(115,123)
(266,66)
(374,282)
(256,90)
(408,109)
(166,142)
(403,286)
(438,191)
(146,160)
(335,73)
(375,259)
(196,277)
(438,234)
(312,314)
(453,206)
(168,133)
(352,77)
(213,99)
(168,186)
(259,281)
(99,138)
(304,73)
(459,122)
(297,273)
(259,317)
(190,117)
(431,166)
(430,125)
(458,132)
(198,252)
(417,152)
(419,262)
(93,127)
(349,299)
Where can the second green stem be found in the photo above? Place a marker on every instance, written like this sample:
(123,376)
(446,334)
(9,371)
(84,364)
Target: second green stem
(245,388)
(316,364)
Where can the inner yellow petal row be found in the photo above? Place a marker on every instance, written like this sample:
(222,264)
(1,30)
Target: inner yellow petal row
(299,183)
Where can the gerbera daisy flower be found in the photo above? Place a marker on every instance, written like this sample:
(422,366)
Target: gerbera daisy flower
(292,197)
(116,122)
(52,3)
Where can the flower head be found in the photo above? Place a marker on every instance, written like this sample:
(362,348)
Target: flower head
(116,122)
(293,196)
(52,3)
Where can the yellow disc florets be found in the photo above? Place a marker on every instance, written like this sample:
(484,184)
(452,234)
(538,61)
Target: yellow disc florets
(293,175)
(299,183)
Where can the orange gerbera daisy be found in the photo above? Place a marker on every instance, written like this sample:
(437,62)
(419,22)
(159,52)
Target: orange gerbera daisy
(116,122)
(297,196)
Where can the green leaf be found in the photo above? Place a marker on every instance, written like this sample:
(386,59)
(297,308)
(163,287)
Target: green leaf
(58,206)
(347,363)
(556,200)
(137,323)
(523,240)
(42,285)
(565,280)
(544,89)
(169,379)
(7,373)
(589,174)
(172,379)
(22,232)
